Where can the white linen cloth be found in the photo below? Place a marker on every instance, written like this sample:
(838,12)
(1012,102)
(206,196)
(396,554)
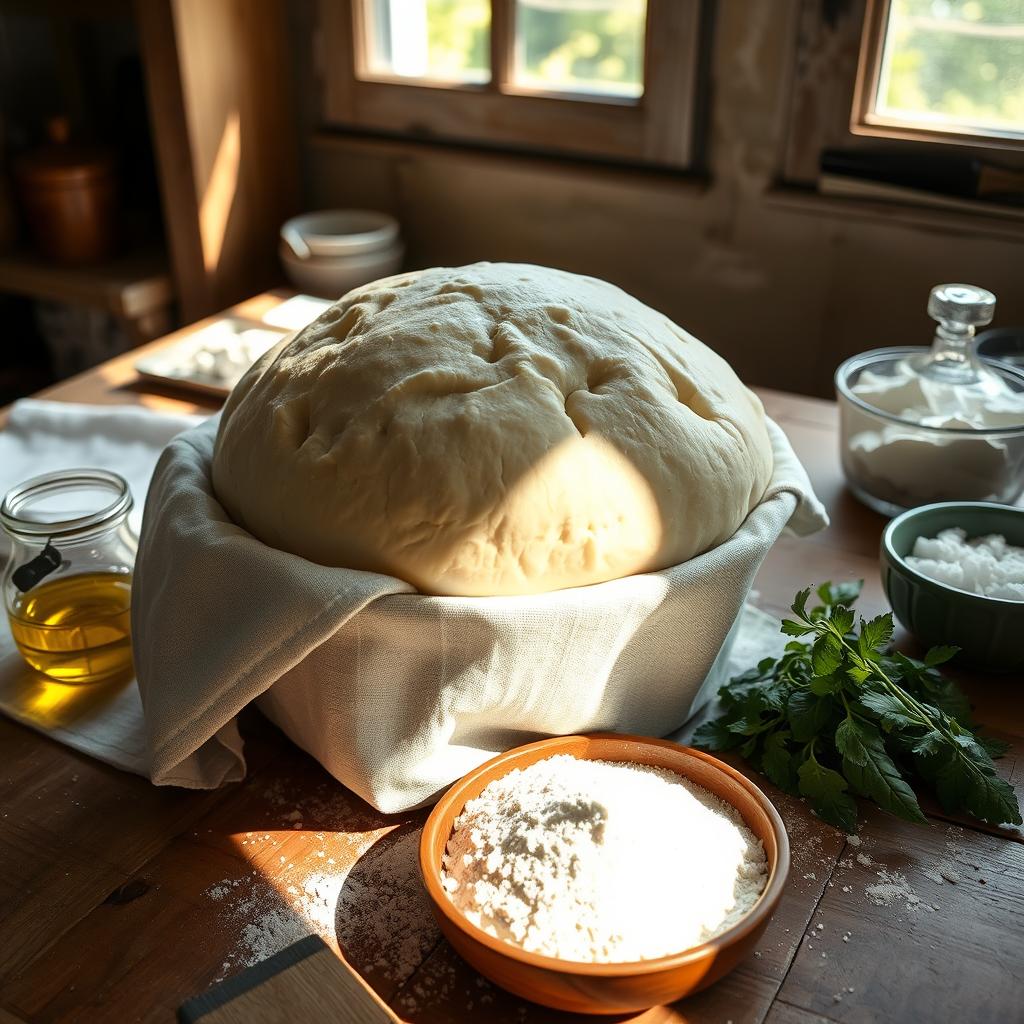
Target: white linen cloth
(398,693)
(103,721)
(41,437)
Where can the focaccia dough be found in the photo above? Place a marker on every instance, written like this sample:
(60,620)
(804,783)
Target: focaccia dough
(492,429)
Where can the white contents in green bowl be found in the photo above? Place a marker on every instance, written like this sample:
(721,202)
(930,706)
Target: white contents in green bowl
(601,861)
(985,565)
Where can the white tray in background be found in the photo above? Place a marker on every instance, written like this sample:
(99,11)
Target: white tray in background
(213,359)
(295,313)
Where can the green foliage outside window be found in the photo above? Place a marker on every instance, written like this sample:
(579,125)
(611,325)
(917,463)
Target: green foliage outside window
(561,45)
(958,61)
(596,46)
(458,38)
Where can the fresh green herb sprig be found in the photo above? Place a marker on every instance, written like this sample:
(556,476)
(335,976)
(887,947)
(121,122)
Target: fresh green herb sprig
(838,715)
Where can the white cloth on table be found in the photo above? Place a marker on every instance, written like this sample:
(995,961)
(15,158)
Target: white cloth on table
(40,437)
(103,721)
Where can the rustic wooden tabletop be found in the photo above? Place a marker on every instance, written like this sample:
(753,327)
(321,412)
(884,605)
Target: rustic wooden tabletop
(119,900)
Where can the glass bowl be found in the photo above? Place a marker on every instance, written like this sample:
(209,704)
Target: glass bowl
(892,464)
(1005,344)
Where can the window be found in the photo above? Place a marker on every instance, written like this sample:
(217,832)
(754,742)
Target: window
(607,78)
(942,70)
(593,47)
(440,41)
(945,120)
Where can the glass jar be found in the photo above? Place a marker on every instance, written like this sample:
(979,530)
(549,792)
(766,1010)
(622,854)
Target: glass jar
(893,463)
(918,425)
(67,584)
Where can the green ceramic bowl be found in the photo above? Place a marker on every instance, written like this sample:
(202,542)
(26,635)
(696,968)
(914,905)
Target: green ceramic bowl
(989,631)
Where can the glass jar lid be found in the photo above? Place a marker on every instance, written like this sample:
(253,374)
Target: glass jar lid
(948,385)
(887,371)
(65,503)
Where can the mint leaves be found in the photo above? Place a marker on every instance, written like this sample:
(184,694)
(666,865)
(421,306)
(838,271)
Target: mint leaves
(837,716)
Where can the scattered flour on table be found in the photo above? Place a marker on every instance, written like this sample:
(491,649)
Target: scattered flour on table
(375,909)
(944,871)
(894,888)
(601,861)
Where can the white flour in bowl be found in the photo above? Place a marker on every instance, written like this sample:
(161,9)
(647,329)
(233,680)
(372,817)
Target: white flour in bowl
(601,861)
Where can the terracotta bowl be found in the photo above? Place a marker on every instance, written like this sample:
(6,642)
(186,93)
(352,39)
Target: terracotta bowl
(608,988)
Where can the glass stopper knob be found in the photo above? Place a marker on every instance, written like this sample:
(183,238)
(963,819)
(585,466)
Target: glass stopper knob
(964,304)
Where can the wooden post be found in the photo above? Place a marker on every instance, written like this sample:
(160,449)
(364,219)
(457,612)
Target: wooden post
(219,90)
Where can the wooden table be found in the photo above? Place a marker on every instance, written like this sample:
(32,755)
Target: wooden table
(119,900)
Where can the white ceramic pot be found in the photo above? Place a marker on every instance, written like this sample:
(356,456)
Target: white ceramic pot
(341,232)
(332,276)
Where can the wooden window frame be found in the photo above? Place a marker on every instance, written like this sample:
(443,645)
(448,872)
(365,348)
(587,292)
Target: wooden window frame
(864,120)
(827,44)
(656,128)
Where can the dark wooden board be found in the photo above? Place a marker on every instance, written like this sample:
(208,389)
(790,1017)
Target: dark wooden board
(305,981)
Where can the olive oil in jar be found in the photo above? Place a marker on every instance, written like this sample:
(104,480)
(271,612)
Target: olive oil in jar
(68,581)
(75,629)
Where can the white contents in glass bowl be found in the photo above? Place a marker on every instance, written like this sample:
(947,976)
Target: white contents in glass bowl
(986,565)
(914,461)
(917,399)
(601,861)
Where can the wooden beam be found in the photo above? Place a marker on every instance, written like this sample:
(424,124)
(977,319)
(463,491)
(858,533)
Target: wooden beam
(218,79)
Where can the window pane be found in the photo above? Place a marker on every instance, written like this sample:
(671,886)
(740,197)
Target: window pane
(955,64)
(445,40)
(593,46)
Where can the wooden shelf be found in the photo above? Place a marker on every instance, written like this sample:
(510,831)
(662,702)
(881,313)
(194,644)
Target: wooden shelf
(225,141)
(130,287)
(930,218)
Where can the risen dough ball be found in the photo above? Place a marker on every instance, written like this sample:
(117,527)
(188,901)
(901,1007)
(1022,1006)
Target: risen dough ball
(492,429)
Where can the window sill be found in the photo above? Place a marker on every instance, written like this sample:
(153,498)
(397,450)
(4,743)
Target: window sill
(980,222)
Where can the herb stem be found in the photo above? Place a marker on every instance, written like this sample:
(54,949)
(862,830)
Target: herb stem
(907,700)
(846,705)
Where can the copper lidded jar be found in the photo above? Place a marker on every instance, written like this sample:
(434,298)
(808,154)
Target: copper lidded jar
(68,194)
